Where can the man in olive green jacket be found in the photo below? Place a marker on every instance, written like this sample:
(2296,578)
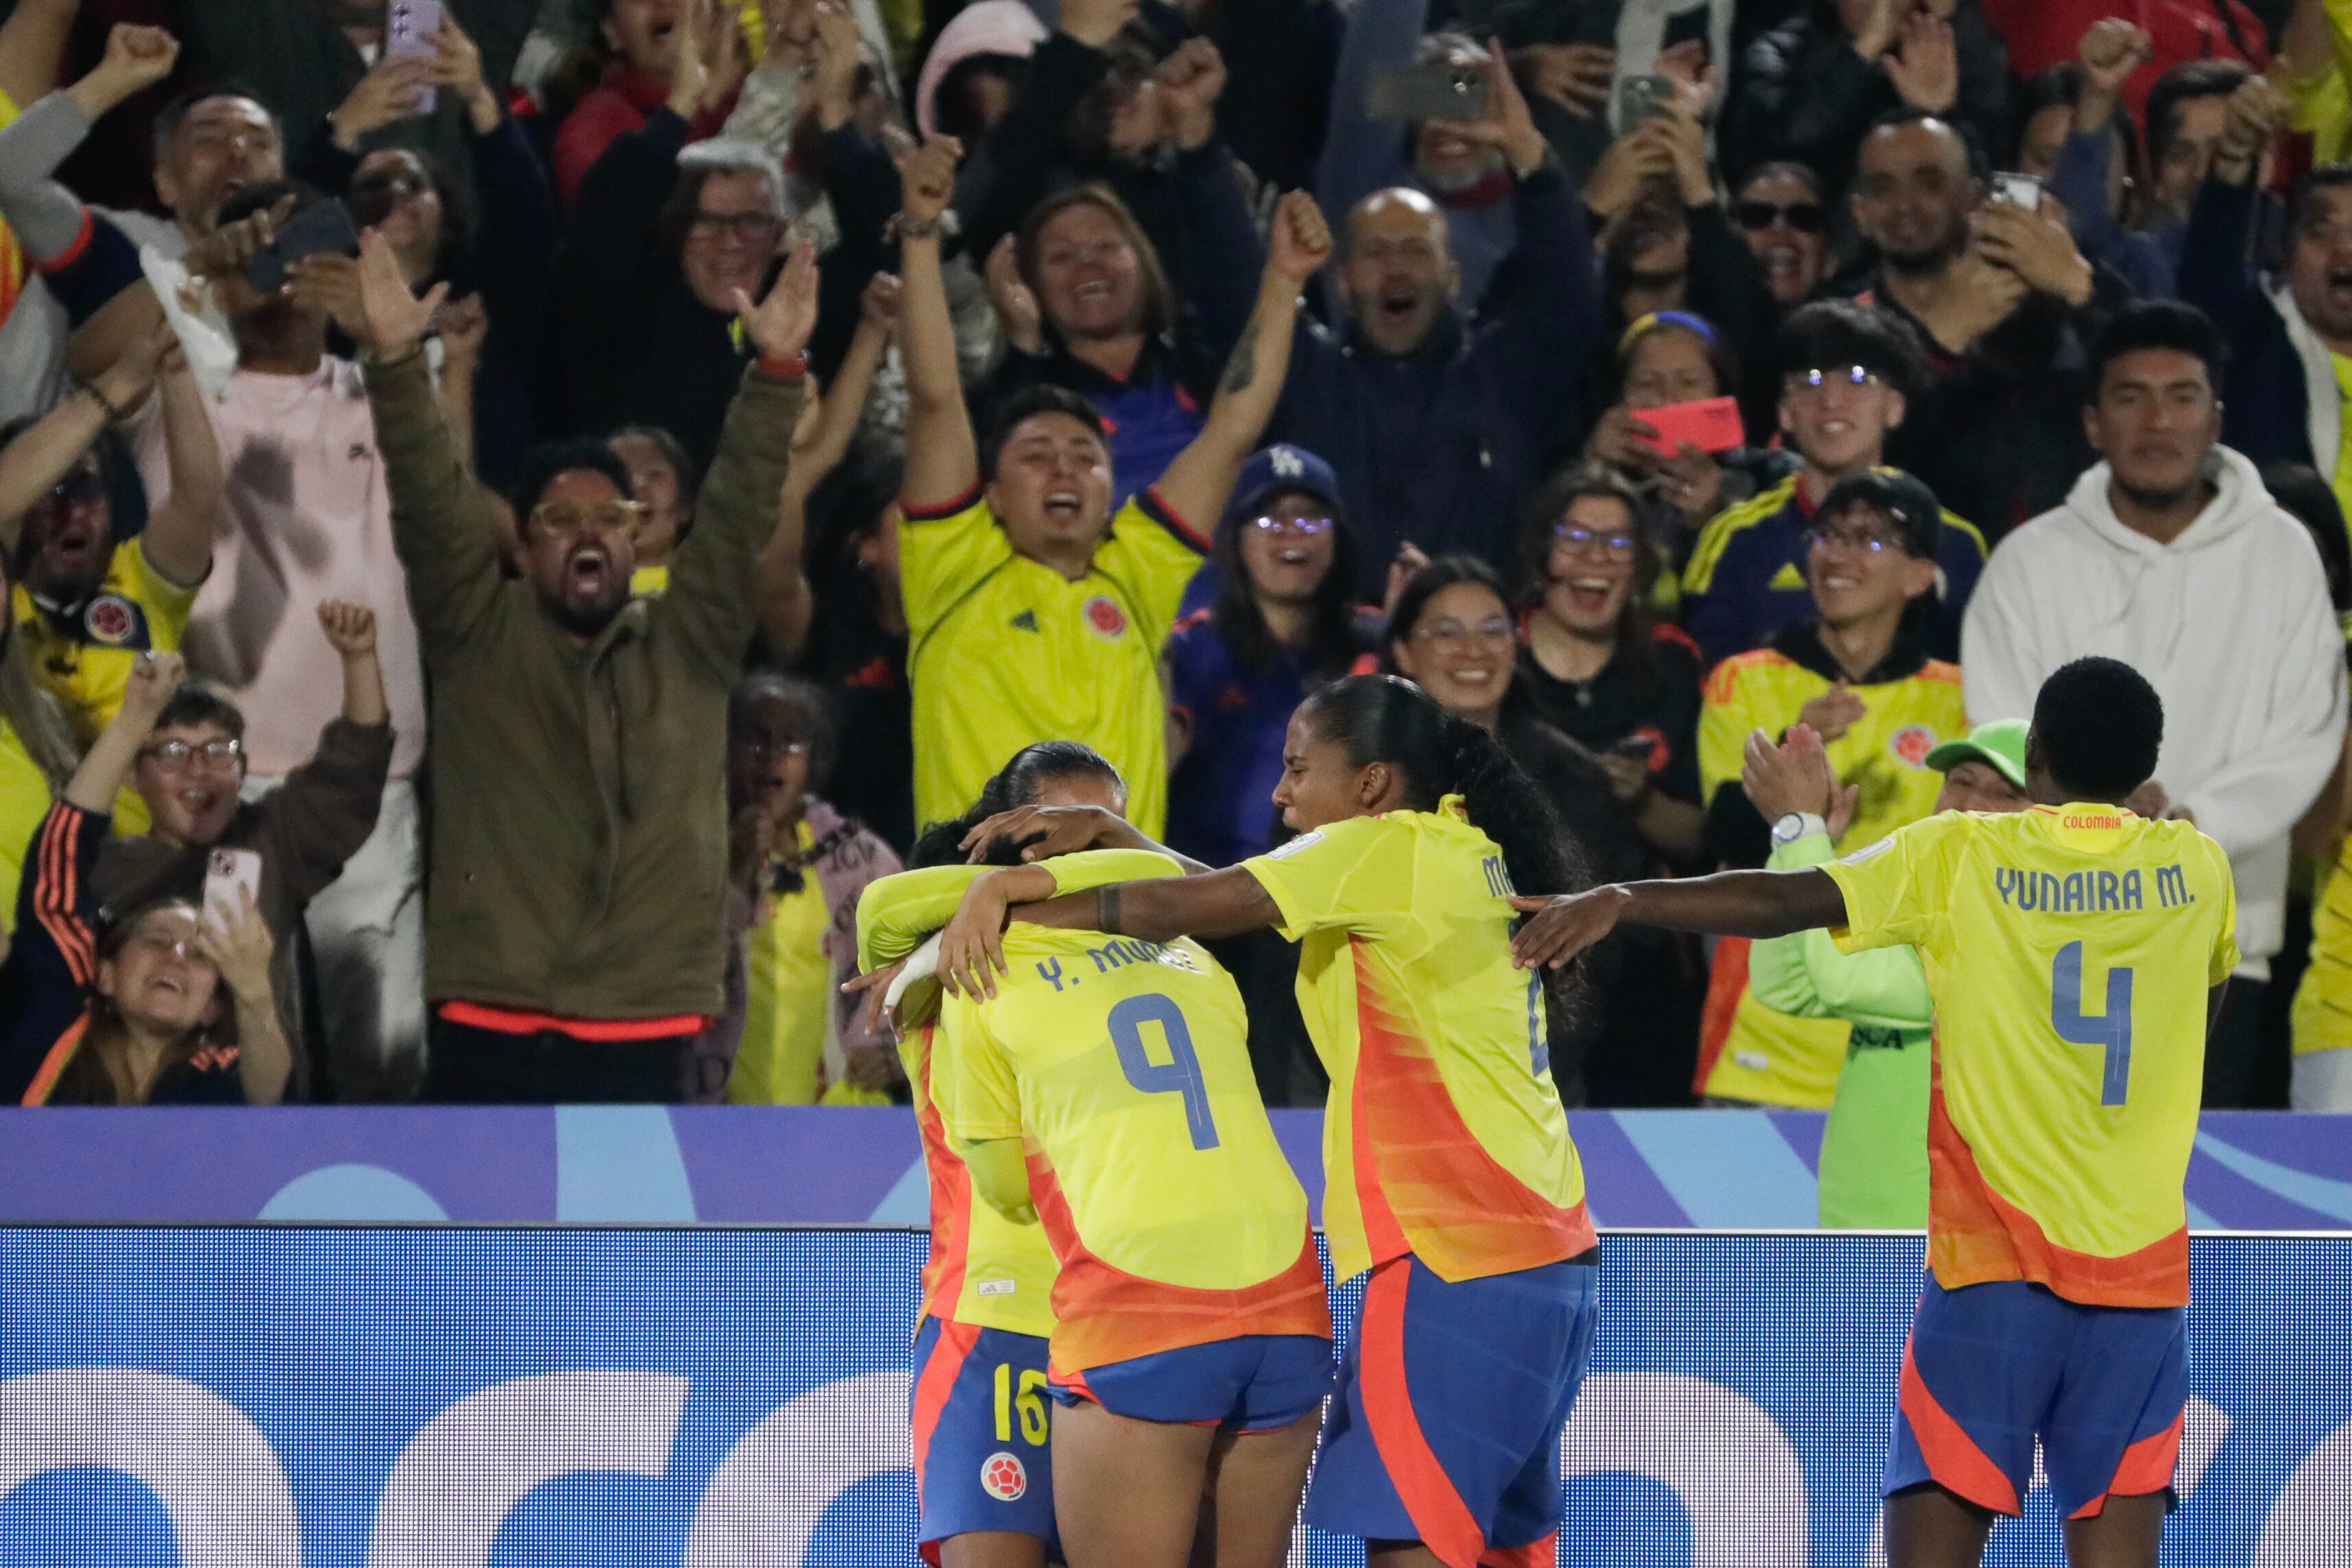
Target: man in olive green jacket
(1873,1168)
(574,944)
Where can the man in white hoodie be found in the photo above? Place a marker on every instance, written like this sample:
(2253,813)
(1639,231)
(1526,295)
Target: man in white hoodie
(2170,555)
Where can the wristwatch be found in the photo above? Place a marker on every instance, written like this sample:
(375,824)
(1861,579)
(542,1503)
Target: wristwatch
(1795,825)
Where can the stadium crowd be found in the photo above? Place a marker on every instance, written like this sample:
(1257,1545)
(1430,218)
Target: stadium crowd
(564,492)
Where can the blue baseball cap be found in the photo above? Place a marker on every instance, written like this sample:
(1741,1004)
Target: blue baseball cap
(1280,468)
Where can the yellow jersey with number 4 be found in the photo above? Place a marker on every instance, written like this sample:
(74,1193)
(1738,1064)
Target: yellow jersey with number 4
(1124,1067)
(1444,1136)
(2069,950)
(1003,651)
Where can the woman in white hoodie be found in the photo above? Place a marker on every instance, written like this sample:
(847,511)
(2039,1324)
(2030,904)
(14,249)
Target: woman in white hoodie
(2170,555)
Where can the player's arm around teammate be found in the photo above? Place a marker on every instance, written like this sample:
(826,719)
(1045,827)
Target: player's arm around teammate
(1441,1444)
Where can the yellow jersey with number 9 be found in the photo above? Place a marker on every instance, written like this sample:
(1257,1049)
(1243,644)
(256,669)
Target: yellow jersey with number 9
(2069,950)
(1124,1067)
(1444,1136)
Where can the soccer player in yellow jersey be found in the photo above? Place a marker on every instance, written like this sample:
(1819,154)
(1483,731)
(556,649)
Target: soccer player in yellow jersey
(1450,1177)
(1032,611)
(2075,954)
(983,1478)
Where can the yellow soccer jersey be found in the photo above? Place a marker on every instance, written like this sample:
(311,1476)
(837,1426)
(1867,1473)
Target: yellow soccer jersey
(23,801)
(2323,1001)
(1124,1066)
(1747,1051)
(1444,1136)
(2069,950)
(85,653)
(983,1270)
(1003,651)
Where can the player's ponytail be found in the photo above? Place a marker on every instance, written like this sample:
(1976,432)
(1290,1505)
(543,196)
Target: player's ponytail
(1386,718)
(1018,783)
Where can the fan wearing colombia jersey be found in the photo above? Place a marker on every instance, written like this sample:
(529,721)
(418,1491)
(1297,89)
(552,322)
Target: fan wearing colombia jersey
(2075,954)
(983,1478)
(1032,611)
(1449,1174)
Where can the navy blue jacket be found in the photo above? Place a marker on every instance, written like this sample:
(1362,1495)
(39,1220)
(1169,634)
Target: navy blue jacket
(2266,411)
(1438,445)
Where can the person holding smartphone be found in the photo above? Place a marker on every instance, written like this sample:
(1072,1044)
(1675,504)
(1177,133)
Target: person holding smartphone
(156,1004)
(190,772)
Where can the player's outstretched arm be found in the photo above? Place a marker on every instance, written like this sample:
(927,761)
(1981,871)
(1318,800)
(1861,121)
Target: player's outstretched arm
(1000,1171)
(1219,903)
(1728,903)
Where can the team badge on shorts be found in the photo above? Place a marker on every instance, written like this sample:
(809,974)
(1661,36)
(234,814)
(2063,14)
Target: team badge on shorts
(1912,743)
(109,620)
(1004,1476)
(1105,619)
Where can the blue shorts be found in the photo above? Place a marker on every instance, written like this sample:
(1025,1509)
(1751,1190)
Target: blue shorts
(1253,1384)
(979,1427)
(1447,1423)
(1990,1367)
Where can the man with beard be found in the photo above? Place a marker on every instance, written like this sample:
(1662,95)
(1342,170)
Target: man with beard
(2000,296)
(2171,556)
(1435,423)
(574,944)
(189,772)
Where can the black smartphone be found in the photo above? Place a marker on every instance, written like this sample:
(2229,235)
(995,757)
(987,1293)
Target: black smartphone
(1684,26)
(1438,90)
(323,228)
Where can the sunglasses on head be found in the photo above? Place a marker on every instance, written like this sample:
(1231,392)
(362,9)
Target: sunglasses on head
(1805,217)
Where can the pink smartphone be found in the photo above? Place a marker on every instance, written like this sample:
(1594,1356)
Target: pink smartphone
(228,874)
(1711,425)
(408,29)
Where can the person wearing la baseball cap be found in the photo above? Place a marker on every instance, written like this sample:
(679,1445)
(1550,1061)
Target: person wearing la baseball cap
(1274,620)
(1873,1162)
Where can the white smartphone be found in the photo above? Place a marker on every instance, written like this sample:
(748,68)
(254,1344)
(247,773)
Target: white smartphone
(2018,190)
(230,876)
(408,29)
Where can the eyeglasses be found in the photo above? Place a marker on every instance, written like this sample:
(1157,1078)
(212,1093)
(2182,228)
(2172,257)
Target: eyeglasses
(82,488)
(570,520)
(174,755)
(736,225)
(767,747)
(1874,543)
(1450,633)
(1821,376)
(1305,527)
(1578,539)
(1805,217)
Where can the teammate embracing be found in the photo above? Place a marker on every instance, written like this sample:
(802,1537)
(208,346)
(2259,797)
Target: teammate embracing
(983,1475)
(2069,948)
(1450,1177)
(1105,1089)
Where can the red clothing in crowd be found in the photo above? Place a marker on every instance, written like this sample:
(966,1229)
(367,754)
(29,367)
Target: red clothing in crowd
(615,107)
(2042,33)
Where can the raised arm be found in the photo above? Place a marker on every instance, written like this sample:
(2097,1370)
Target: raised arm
(713,597)
(942,458)
(1728,903)
(2217,274)
(33,44)
(1196,483)
(179,540)
(786,603)
(108,762)
(441,528)
(47,449)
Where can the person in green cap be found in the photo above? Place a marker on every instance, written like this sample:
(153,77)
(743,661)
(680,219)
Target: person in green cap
(1874,1167)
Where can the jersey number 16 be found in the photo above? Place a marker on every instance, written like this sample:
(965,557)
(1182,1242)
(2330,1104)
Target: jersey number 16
(2112,1028)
